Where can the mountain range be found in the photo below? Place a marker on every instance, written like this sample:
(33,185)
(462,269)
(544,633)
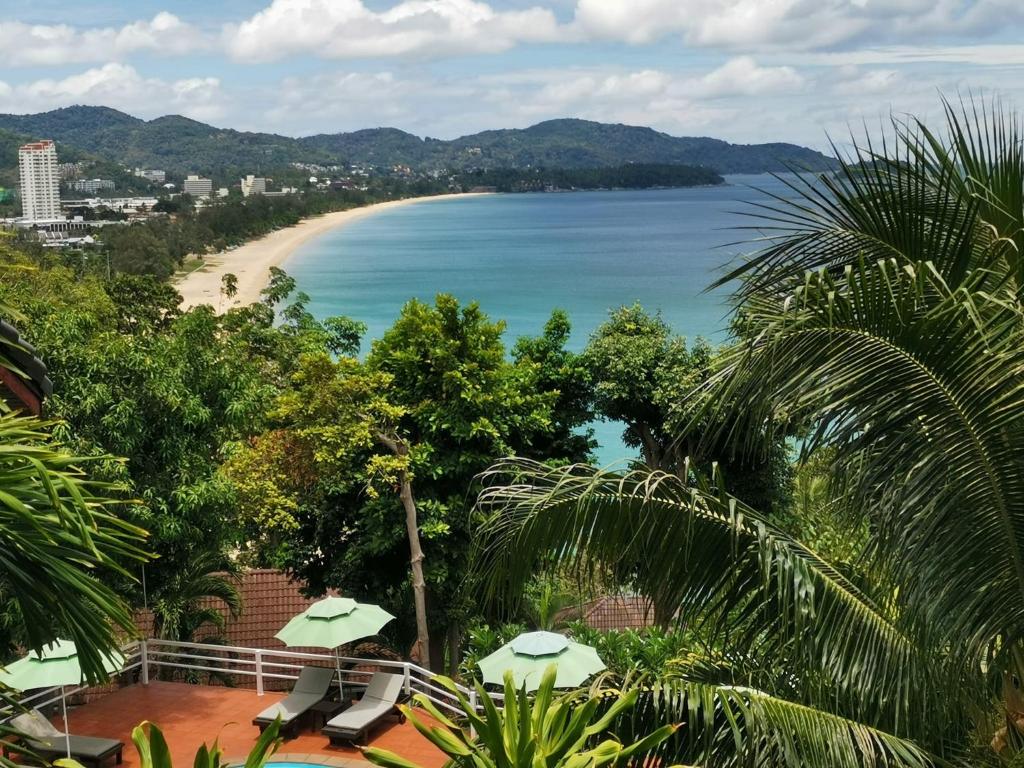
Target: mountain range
(179,145)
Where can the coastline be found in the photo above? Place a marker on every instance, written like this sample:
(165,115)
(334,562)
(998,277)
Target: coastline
(251,261)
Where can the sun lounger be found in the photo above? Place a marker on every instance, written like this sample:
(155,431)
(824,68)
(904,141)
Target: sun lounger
(311,688)
(41,737)
(377,702)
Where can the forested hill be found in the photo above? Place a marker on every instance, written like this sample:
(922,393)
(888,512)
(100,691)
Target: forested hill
(566,143)
(178,144)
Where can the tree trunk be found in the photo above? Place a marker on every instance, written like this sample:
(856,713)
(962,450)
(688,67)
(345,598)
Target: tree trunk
(648,447)
(419,584)
(454,649)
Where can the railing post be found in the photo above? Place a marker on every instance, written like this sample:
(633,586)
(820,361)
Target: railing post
(408,682)
(472,703)
(259,673)
(144,659)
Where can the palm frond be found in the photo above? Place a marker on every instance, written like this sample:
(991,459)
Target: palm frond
(916,383)
(741,726)
(58,536)
(718,562)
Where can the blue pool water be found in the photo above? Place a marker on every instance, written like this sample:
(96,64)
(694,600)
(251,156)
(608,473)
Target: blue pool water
(523,255)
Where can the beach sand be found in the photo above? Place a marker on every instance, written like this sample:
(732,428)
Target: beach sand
(251,262)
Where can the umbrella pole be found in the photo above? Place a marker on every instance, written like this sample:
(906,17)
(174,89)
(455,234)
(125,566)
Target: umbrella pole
(67,730)
(341,685)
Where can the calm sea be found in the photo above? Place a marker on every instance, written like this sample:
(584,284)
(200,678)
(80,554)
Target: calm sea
(523,255)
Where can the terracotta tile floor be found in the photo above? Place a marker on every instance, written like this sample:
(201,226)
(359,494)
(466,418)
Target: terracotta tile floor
(189,715)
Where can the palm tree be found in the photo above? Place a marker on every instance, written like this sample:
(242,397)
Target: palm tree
(187,603)
(883,313)
(193,603)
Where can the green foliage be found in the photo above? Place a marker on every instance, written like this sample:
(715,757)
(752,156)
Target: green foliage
(648,378)
(182,145)
(542,731)
(58,535)
(885,314)
(138,250)
(568,144)
(181,605)
(171,391)
(559,370)
(645,652)
(154,753)
(319,487)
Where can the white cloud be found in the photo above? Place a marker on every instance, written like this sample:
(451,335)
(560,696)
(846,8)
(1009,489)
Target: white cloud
(349,29)
(742,76)
(122,87)
(47,45)
(792,24)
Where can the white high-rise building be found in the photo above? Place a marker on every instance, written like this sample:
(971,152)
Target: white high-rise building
(40,181)
(197,186)
(253,185)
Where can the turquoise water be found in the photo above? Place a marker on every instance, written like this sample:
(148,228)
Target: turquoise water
(523,255)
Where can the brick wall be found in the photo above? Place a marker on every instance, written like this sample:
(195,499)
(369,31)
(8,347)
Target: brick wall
(618,612)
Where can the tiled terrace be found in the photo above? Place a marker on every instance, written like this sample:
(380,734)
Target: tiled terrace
(190,715)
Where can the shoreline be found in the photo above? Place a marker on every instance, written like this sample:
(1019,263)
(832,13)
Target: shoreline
(251,261)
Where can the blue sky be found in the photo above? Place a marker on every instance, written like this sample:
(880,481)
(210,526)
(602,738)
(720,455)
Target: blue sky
(742,70)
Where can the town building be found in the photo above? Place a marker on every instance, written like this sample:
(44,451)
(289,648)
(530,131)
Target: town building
(153,175)
(40,181)
(69,170)
(253,185)
(197,186)
(91,186)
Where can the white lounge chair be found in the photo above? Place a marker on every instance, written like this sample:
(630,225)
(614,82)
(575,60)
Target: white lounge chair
(378,701)
(43,738)
(311,688)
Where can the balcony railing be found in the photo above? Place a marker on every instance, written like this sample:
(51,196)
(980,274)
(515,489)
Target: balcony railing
(260,665)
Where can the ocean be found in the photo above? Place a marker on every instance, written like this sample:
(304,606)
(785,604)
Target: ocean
(522,255)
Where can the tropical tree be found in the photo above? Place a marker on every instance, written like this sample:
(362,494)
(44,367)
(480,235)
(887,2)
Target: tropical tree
(194,603)
(884,314)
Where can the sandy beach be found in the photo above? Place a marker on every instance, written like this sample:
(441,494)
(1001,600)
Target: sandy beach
(251,262)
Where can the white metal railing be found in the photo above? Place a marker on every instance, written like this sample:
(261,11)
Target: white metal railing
(260,665)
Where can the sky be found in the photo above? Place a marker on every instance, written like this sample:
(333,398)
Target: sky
(741,70)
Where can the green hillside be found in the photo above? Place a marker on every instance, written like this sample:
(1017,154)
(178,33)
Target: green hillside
(173,143)
(179,145)
(565,143)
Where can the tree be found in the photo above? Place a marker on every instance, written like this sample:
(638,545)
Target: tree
(59,534)
(229,285)
(379,457)
(135,377)
(558,370)
(634,358)
(649,378)
(137,250)
(887,314)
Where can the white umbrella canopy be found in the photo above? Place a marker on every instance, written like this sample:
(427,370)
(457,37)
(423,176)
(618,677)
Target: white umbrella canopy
(529,654)
(56,665)
(332,623)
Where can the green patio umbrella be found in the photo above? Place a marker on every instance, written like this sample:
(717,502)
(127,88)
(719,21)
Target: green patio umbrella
(332,623)
(56,665)
(528,655)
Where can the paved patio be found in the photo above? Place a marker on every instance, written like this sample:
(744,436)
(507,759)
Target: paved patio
(192,714)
